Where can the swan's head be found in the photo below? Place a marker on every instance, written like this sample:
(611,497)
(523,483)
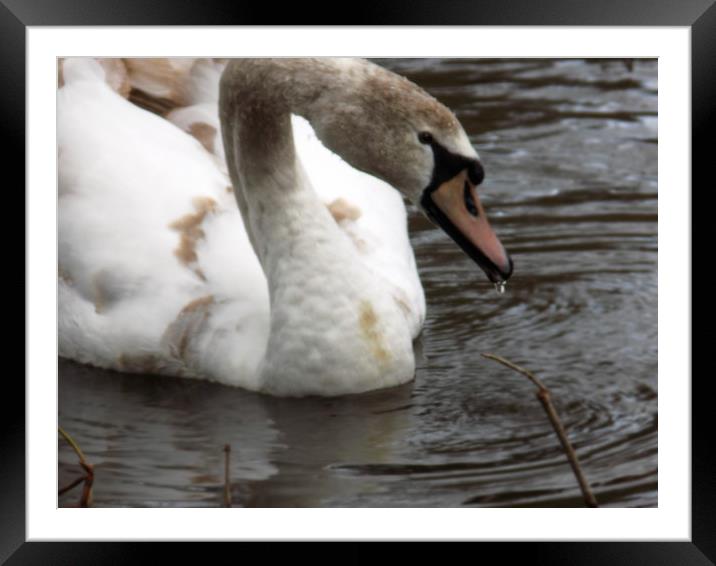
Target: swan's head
(393,129)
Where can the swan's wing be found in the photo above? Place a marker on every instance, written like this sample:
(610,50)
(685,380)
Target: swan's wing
(162,78)
(163,84)
(146,227)
(371,213)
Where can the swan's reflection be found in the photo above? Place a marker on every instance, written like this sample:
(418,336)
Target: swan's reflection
(163,443)
(322,435)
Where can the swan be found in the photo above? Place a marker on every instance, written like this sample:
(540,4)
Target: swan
(167,266)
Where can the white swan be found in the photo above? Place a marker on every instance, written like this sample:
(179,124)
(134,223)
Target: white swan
(159,273)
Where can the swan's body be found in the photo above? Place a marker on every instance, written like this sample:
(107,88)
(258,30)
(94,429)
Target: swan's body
(156,271)
(159,272)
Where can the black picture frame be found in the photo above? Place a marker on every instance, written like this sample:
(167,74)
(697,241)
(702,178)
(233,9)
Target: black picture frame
(699,15)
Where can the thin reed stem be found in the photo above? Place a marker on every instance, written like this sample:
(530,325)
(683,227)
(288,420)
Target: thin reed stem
(545,399)
(86,497)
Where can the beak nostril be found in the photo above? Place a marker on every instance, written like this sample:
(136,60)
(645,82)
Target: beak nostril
(469,201)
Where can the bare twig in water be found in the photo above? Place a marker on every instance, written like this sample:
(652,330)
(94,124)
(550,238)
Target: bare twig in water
(545,398)
(73,483)
(88,478)
(227,480)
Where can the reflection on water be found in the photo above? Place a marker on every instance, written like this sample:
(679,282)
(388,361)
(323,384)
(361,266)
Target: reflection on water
(569,148)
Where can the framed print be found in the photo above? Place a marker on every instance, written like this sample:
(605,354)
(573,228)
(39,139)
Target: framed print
(574,66)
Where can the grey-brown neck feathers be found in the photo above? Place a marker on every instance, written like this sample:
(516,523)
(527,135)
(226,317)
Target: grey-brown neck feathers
(364,113)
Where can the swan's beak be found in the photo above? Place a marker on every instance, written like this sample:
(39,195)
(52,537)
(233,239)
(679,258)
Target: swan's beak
(456,208)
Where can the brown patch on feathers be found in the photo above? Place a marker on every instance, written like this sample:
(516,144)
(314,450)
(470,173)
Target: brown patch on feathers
(190,232)
(156,105)
(186,326)
(161,85)
(205,134)
(368,322)
(342,210)
(196,304)
(161,78)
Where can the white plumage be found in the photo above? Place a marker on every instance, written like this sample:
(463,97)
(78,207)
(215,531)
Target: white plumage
(156,272)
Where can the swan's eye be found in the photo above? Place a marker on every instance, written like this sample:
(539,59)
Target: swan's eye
(425,137)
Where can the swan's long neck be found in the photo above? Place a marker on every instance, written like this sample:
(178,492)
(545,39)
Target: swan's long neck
(334,328)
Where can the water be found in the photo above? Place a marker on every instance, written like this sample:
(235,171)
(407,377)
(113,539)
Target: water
(570,150)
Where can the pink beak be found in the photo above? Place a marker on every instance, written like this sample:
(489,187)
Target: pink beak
(455,206)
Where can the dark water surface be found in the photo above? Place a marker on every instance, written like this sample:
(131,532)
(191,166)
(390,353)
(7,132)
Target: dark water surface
(570,151)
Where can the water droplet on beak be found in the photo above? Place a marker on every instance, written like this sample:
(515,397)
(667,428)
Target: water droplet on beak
(500,287)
